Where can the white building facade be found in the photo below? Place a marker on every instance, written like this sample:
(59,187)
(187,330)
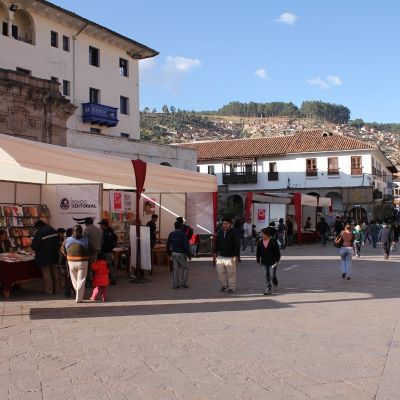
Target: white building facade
(355,175)
(97,70)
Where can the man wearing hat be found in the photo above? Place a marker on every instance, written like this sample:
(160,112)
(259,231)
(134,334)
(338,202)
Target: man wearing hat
(109,242)
(227,249)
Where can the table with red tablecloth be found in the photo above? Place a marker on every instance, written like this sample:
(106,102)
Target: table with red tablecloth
(308,236)
(16,271)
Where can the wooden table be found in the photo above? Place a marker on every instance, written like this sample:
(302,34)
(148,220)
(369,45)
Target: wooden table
(11,272)
(118,252)
(160,256)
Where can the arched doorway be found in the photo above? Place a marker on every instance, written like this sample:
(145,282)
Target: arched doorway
(235,205)
(358,214)
(23,27)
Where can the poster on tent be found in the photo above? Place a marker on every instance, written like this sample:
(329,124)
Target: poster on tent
(145,250)
(122,201)
(77,201)
(261,215)
(149,205)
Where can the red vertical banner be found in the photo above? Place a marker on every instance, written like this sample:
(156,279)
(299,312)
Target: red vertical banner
(248,204)
(215,211)
(297,214)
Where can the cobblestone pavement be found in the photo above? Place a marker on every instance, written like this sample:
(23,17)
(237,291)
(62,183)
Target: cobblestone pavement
(320,337)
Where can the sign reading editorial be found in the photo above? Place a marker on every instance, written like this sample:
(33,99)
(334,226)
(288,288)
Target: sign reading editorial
(77,201)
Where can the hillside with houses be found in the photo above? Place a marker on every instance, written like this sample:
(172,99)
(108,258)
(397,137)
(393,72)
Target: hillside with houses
(182,126)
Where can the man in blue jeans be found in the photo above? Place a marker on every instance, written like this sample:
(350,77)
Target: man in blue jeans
(178,249)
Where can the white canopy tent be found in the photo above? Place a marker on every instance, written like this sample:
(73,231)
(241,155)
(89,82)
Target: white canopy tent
(28,161)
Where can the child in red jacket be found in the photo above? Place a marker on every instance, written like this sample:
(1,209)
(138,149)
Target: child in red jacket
(100,279)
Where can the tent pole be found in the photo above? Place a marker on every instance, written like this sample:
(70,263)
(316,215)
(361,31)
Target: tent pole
(139,167)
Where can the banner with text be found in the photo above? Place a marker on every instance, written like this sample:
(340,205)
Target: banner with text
(77,201)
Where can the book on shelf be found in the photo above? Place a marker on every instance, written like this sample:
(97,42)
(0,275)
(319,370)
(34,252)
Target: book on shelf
(7,211)
(17,211)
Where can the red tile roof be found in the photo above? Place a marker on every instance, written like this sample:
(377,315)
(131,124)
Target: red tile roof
(301,142)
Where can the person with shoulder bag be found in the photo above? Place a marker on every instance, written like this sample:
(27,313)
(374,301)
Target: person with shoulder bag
(346,251)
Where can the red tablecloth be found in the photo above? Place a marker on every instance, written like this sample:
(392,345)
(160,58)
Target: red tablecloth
(17,271)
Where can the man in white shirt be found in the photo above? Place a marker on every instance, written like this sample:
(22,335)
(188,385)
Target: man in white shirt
(248,236)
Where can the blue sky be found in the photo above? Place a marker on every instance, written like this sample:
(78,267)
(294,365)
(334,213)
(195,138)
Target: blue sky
(214,52)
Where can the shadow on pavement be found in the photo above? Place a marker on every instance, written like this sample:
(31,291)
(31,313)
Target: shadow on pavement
(96,311)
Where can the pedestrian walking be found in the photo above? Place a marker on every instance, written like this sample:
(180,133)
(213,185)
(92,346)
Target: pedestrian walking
(248,236)
(375,228)
(357,241)
(323,229)
(239,230)
(179,251)
(346,251)
(46,245)
(76,249)
(281,233)
(338,225)
(385,239)
(268,256)
(100,279)
(227,250)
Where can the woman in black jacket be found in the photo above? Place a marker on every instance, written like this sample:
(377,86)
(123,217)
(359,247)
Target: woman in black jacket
(268,255)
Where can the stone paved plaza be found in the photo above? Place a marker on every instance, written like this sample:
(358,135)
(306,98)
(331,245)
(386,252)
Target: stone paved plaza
(320,338)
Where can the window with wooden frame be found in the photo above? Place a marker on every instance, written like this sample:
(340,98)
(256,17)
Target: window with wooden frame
(356,165)
(333,166)
(311,167)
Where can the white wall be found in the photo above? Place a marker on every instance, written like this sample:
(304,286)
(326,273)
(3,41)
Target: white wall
(46,61)
(177,157)
(293,167)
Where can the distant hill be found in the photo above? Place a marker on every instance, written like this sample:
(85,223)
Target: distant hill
(184,126)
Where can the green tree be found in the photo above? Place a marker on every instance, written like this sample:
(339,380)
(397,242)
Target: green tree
(165,109)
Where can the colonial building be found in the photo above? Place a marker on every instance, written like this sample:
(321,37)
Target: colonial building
(95,70)
(355,175)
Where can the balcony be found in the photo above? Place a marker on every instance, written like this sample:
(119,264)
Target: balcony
(311,172)
(356,171)
(99,114)
(333,171)
(239,177)
(273,176)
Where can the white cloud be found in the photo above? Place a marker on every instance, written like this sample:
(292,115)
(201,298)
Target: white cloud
(169,74)
(330,80)
(261,73)
(334,80)
(287,18)
(182,63)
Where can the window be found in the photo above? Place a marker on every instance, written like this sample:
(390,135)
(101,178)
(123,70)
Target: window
(54,39)
(124,105)
(65,43)
(66,88)
(123,67)
(94,96)
(5,28)
(96,131)
(311,167)
(333,166)
(125,135)
(94,56)
(356,166)
(23,71)
(211,170)
(273,172)
(14,31)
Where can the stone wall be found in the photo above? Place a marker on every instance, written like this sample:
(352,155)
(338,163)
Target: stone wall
(33,108)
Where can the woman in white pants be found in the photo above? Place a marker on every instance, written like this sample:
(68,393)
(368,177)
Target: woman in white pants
(76,249)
